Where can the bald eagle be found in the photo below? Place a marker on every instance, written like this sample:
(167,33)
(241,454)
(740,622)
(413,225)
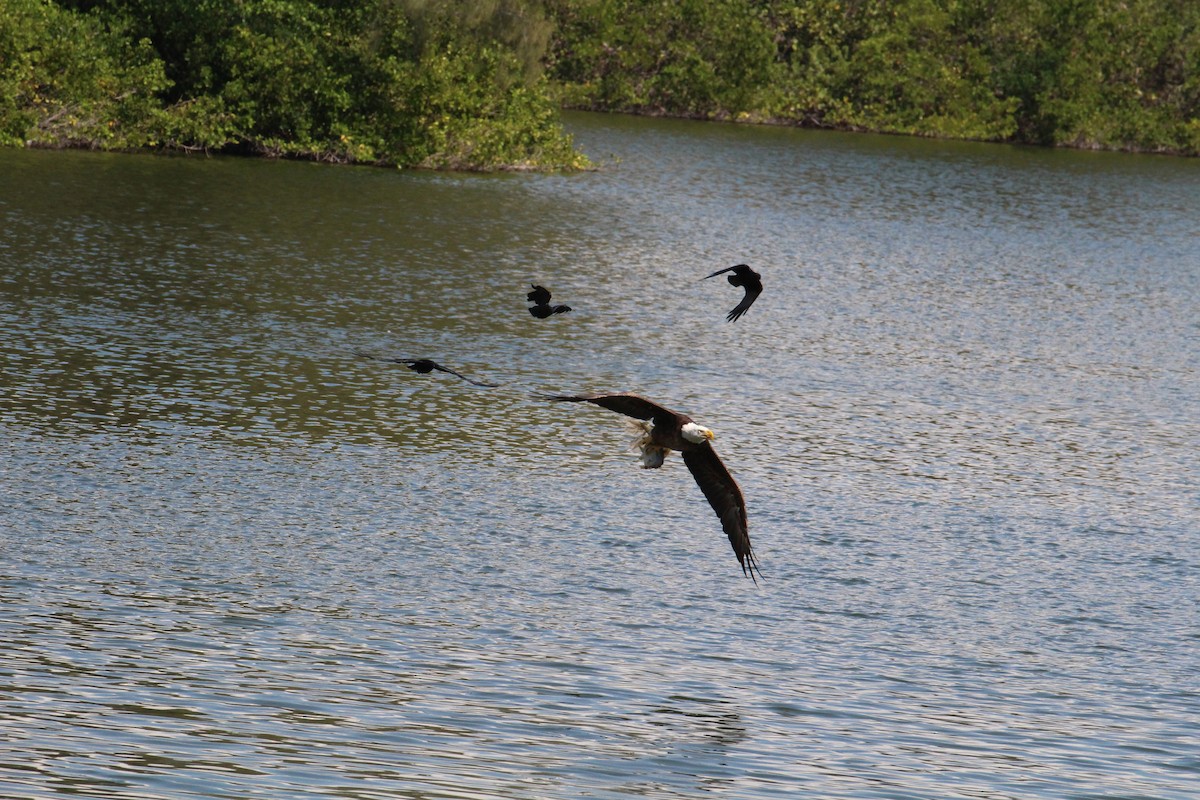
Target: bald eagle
(746,278)
(664,430)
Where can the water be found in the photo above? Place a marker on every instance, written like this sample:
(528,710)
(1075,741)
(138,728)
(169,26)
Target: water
(238,561)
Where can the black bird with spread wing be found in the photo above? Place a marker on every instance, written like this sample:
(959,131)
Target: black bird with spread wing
(424,366)
(664,430)
(746,278)
(541,308)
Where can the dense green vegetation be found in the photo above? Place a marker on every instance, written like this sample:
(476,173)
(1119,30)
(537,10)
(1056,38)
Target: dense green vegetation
(478,83)
(1086,73)
(455,83)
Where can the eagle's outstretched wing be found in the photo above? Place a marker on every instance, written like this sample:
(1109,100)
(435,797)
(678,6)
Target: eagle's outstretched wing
(540,295)
(631,405)
(726,499)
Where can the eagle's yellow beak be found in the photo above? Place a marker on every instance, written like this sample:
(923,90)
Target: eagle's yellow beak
(708,434)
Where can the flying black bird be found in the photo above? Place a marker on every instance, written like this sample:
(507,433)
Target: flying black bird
(541,308)
(749,280)
(663,430)
(424,366)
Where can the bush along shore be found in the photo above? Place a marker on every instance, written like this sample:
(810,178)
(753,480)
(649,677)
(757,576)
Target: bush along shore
(1107,74)
(478,84)
(413,83)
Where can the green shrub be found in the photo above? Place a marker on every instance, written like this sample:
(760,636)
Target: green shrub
(405,82)
(1102,73)
(72,79)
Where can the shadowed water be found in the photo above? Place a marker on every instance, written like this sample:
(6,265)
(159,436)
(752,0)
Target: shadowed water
(239,561)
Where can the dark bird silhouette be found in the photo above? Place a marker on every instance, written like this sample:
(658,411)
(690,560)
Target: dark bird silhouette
(541,312)
(746,278)
(663,430)
(424,366)
(540,297)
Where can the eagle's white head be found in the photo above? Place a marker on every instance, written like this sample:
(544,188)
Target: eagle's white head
(696,434)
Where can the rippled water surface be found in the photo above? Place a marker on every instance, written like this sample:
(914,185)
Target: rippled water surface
(240,561)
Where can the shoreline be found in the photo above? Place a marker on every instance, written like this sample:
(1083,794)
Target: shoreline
(585,164)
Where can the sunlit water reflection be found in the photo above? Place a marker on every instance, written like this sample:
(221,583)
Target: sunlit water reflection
(239,561)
